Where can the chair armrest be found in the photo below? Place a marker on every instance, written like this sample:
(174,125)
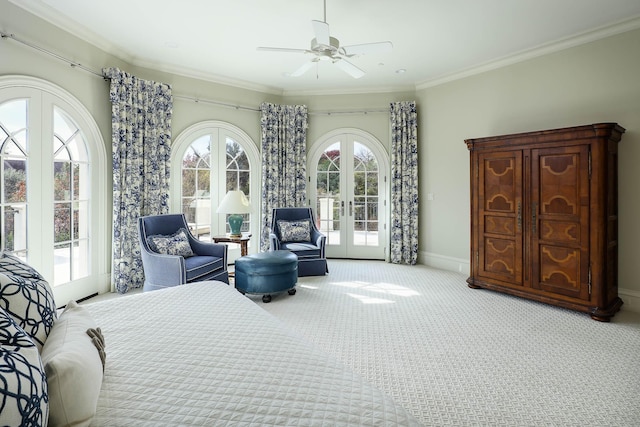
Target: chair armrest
(315,234)
(163,269)
(321,241)
(210,249)
(274,243)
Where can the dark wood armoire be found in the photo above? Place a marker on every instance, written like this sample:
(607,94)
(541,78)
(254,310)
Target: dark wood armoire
(544,216)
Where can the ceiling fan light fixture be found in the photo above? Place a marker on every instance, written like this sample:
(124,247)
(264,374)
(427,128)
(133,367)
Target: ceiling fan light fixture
(327,48)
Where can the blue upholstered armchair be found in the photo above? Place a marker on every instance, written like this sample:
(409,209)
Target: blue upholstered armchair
(294,229)
(171,256)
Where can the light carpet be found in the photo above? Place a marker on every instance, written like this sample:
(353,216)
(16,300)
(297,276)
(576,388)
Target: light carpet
(458,356)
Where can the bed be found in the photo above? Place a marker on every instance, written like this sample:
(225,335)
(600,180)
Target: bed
(202,354)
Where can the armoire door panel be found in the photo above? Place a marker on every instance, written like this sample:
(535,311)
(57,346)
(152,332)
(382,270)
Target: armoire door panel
(560,271)
(560,231)
(560,194)
(501,225)
(500,216)
(501,259)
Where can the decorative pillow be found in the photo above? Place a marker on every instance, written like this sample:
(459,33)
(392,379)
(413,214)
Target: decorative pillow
(14,266)
(23,385)
(74,367)
(30,302)
(295,231)
(176,244)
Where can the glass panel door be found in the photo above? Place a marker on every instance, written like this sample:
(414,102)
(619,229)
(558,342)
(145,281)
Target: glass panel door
(348,198)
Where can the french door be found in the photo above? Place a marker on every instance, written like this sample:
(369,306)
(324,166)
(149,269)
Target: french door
(348,180)
(52,187)
(213,158)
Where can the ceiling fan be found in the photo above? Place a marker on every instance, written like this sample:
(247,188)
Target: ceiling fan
(327,48)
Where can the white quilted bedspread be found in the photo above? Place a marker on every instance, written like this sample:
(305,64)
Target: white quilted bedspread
(204,355)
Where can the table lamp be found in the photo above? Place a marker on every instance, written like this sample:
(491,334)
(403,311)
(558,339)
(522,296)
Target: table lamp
(235,204)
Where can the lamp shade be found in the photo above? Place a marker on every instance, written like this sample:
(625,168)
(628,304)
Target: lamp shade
(234,202)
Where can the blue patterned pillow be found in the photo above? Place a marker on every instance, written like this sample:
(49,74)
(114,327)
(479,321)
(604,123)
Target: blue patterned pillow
(295,231)
(23,389)
(30,302)
(176,244)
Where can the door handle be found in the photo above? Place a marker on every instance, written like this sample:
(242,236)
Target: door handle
(350,208)
(519,216)
(342,208)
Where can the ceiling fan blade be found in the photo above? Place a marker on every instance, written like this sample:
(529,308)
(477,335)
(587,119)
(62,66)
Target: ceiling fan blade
(349,68)
(321,30)
(281,49)
(305,67)
(361,49)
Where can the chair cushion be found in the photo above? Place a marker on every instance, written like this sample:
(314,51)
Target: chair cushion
(175,244)
(298,230)
(302,250)
(24,383)
(199,266)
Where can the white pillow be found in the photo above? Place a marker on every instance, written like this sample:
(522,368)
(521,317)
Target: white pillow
(74,368)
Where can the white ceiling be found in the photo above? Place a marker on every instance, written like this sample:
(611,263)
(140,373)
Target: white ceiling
(434,40)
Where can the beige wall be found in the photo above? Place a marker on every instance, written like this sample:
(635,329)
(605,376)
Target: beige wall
(595,82)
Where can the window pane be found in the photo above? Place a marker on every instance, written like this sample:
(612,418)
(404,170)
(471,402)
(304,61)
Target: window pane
(232,180)
(80,220)
(62,263)
(15,180)
(198,154)
(62,222)
(203,184)
(80,263)
(80,176)
(61,180)
(13,115)
(15,228)
(188,182)
(244,181)
(13,129)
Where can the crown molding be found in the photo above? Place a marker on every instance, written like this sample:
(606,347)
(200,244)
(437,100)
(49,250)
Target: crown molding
(623,26)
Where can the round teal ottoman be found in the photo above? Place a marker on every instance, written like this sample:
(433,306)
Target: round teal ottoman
(267,273)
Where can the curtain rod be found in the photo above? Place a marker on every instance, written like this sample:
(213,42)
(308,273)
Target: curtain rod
(50,53)
(75,64)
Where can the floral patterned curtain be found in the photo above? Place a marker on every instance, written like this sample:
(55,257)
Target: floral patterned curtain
(141,137)
(284,160)
(404,183)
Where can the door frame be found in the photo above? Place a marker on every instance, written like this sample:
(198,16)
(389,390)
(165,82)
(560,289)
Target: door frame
(384,185)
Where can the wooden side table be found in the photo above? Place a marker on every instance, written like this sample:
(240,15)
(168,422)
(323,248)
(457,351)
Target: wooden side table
(243,241)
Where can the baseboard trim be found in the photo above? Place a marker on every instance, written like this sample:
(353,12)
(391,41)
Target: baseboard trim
(444,262)
(630,297)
